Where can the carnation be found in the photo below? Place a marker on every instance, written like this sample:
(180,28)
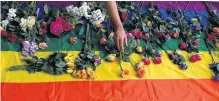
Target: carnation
(12,13)
(4,23)
(23,24)
(56,28)
(31,21)
(97,17)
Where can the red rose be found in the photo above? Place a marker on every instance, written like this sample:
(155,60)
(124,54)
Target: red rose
(196,43)
(134,32)
(141,72)
(59,19)
(4,33)
(157,60)
(198,57)
(139,35)
(193,58)
(183,45)
(43,30)
(44,24)
(211,37)
(12,37)
(56,28)
(124,16)
(146,61)
(159,34)
(65,25)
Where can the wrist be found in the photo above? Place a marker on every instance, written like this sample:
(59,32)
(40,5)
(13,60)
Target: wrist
(119,27)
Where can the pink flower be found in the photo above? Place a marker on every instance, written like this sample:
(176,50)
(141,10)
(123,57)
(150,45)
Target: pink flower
(134,32)
(196,43)
(183,45)
(66,26)
(56,28)
(44,24)
(59,19)
(146,36)
(198,57)
(73,39)
(157,60)
(139,35)
(43,30)
(211,37)
(193,58)
(129,35)
(146,61)
(159,34)
(12,38)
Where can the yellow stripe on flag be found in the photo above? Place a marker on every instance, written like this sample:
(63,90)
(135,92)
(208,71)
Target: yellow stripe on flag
(109,71)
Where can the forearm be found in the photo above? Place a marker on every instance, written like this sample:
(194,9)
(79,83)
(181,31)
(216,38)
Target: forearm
(112,10)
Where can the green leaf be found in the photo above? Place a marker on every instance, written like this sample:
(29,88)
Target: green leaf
(123,10)
(103,53)
(82,30)
(103,30)
(60,64)
(46,9)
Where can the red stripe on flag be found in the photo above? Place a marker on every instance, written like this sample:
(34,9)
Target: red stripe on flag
(124,90)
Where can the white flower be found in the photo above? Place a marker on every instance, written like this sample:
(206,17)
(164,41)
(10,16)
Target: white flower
(4,23)
(23,24)
(81,11)
(11,13)
(97,17)
(84,10)
(31,21)
(74,11)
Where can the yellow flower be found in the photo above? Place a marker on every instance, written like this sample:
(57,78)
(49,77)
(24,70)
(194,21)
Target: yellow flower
(111,35)
(77,74)
(70,65)
(69,70)
(99,25)
(69,57)
(111,57)
(126,73)
(217,45)
(93,76)
(84,74)
(148,23)
(89,71)
(139,49)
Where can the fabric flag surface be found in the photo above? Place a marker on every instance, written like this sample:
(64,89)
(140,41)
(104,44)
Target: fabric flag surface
(163,82)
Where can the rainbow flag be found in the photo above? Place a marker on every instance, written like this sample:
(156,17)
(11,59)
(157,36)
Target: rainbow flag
(163,82)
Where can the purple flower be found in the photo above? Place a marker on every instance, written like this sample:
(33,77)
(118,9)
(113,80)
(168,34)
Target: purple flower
(29,48)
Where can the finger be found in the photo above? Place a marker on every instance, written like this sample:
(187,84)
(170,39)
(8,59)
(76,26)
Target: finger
(121,43)
(117,43)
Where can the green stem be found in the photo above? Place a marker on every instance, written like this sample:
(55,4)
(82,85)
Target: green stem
(20,67)
(120,61)
(132,64)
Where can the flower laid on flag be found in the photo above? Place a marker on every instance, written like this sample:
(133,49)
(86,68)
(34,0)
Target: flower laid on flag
(11,13)
(29,48)
(28,23)
(4,23)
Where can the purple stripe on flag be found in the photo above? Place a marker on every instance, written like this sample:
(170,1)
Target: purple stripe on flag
(161,4)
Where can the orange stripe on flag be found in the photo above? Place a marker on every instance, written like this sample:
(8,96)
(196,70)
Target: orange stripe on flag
(121,90)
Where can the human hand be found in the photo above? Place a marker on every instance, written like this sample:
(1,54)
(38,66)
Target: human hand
(121,38)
